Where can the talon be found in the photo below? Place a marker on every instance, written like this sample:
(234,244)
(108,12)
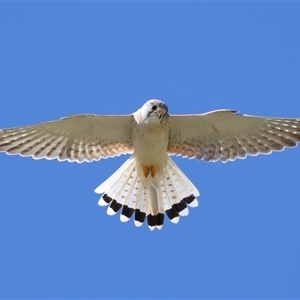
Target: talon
(153,171)
(149,170)
(146,171)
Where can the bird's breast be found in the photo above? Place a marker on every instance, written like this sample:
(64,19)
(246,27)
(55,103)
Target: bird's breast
(150,144)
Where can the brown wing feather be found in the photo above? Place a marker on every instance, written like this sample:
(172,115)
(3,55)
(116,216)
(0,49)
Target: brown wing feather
(224,135)
(76,138)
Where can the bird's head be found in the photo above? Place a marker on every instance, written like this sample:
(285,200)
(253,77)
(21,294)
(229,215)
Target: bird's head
(153,111)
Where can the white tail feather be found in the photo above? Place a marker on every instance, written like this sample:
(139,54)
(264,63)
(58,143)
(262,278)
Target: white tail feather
(184,180)
(170,192)
(127,192)
(114,177)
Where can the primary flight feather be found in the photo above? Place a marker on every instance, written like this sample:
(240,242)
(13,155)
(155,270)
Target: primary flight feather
(149,184)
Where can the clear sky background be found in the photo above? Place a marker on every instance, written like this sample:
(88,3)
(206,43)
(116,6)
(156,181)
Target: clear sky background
(59,59)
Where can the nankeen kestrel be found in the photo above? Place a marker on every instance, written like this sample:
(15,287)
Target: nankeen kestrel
(149,183)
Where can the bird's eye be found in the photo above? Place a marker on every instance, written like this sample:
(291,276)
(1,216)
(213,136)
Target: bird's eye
(154,107)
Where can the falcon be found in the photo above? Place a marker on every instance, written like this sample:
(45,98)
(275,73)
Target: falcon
(149,184)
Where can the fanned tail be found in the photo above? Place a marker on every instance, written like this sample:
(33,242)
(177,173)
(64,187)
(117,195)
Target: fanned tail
(149,198)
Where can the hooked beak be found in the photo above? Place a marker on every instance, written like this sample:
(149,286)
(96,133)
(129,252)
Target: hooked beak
(160,113)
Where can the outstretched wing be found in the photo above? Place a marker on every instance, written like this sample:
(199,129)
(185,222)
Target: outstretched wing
(225,135)
(76,138)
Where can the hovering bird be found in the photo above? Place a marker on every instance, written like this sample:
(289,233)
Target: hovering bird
(149,184)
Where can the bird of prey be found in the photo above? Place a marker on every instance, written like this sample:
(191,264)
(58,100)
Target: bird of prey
(149,184)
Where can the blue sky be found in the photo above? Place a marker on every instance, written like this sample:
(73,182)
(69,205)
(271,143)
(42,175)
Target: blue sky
(59,59)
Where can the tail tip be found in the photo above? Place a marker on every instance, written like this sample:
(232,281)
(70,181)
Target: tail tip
(138,223)
(175,220)
(191,201)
